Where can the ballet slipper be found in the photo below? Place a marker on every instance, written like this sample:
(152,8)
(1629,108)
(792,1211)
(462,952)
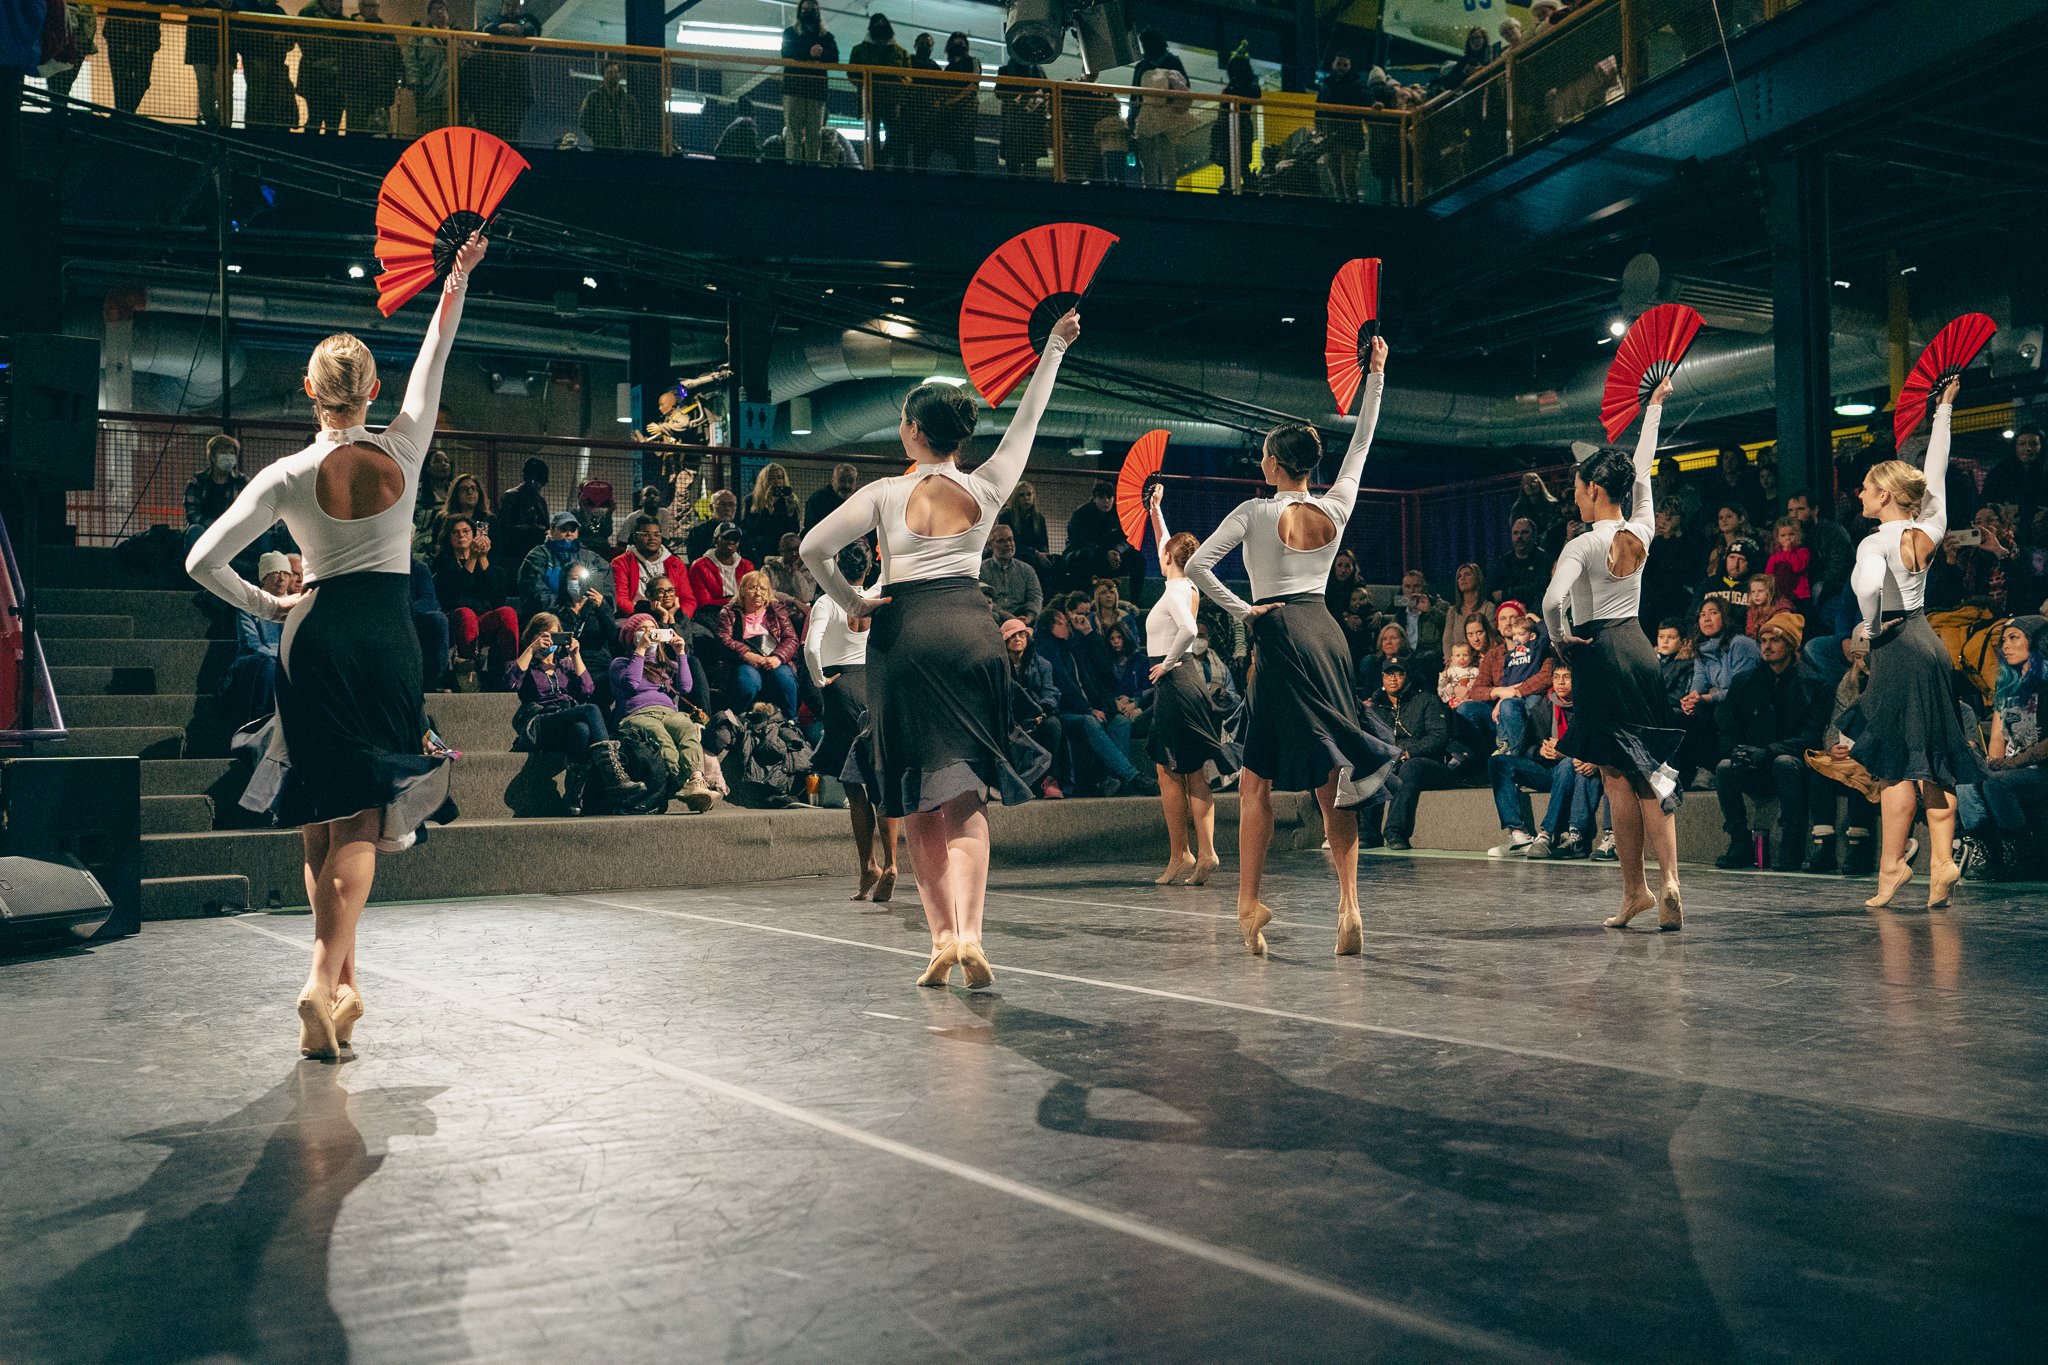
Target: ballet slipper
(1670,910)
(945,953)
(974,965)
(1629,910)
(316,1024)
(1252,927)
(1941,880)
(885,886)
(1175,870)
(1203,871)
(868,877)
(1889,881)
(348,1008)
(1350,934)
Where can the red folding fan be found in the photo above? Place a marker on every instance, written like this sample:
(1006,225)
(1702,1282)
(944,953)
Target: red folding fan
(1354,321)
(1024,287)
(445,187)
(1947,356)
(1141,466)
(1655,343)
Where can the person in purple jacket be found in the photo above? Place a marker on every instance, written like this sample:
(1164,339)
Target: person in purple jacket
(650,674)
(556,715)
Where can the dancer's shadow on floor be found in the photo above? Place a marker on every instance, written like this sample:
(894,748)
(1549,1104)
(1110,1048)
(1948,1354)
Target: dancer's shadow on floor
(230,1259)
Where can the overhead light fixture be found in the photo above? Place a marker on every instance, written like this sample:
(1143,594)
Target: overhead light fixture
(712,287)
(1910,270)
(729,37)
(1852,409)
(590,281)
(1617,328)
(895,327)
(234,270)
(2007,433)
(831,291)
(1287,319)
(356,272)
(1092,450)
(1841,284)
(800,415)
(623,404)
(683,106)
(896,298)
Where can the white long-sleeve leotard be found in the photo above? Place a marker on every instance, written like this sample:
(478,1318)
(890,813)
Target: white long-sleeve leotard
(828,643)
(1170,625)
(1582,580)
(1275,568)
(906,556)
(287,491)
(1881,579)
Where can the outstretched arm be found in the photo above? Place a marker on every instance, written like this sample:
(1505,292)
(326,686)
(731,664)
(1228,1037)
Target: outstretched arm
(1002,469)
(1221,541)
(248,517)
(1345,489)
(851,520)
(1642,517)
(423,387)
(1933,517)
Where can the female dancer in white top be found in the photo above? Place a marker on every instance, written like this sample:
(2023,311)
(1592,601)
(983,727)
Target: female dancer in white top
(348,694)
(1904,728)
(938,682)
(1618,693)
(836,656)
(1305,730)
(1184,737)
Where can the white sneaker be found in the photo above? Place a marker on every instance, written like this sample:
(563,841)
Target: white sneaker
(1517,844)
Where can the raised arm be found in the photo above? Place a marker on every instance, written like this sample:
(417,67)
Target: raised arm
(249,516)
(423,387)
(852,519)
(1221,541)
(1160,535)
(1345,489)
(1933,518)
(1642,517)
(1001,470)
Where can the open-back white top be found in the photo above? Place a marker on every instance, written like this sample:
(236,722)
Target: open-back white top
(1881,579)
(906,556)
(1582,582)
(1275,568)
(1170,625)
(287,490)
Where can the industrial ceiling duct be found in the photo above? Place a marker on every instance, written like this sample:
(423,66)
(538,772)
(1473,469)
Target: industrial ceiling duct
(1036,30)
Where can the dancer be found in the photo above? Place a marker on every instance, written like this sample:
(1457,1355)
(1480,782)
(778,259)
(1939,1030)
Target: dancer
(936,670)
(1904,728)
(348,693)
(1616,680)
(1305,731)
(836,655)
(1184,736)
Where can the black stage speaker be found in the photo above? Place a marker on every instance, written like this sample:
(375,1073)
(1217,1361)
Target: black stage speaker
(49,407)
(81,810)
(41,902)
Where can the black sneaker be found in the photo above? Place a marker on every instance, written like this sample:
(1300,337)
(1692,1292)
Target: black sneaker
(1570,844)
(1862,858)
(1398,842)
(1741,854)
(1976,860)
(1821,857)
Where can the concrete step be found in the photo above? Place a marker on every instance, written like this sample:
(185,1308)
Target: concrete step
(96,567)
(194,897)
(94,680)
(468,720)
(107,741)
(177,814)
(173,615)
(183,665)
(62,626)
(488,786)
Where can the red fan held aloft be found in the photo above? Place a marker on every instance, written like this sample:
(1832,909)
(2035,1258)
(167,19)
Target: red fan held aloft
(445,187)
(1141,465)
(1655,343)
(1024,287)
(1947,356)
(1354,322)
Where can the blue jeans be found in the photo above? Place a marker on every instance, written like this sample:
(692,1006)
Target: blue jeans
(1108,740)
(1574,800)
(2001,800)
(748,682)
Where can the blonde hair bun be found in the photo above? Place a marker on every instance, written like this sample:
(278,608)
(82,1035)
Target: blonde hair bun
(342,374)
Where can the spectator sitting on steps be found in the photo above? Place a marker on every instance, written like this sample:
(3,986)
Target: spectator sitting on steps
(556,716)
(649,677)
(1574,786)
(715,576)
(1772,716)
(645,559)
(1422,729)
(473,589)
(725,507)
(523,512)
(761,641)
(559,575)
(1012,584)
(249,688)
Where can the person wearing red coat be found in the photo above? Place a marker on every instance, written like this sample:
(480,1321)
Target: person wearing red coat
(715,575)
(760,641)
(646,558)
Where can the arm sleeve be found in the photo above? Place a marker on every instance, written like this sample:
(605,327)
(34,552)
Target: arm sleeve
(1180,609)
(1742,657)
(1642,517)
(1866,581)
(786,642)
(1221,541)
(814,645)
(851,520)
(251,514)
(1933,518)
(1345,490)
(1001,470)
(1570,565)
(423,387)
(1159,531)
(1034,601)
(1539,684)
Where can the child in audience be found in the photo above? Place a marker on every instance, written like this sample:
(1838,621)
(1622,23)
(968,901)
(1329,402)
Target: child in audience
(1764,603)
(1674,661)
(1789,564)
(1454,684)
(1525,672)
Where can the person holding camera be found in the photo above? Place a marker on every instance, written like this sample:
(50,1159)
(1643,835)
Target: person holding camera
(1772,716)
(649,679)
(771,514)
(557,716)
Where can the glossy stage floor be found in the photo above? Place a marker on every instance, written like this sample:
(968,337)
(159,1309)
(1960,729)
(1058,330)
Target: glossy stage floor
(723,1125)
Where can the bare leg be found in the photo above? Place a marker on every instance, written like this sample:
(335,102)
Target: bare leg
(967,843)
(1173,802)
(889,828)
(1660,832)
(1942,872)
(1342,828)
(1202,815)
(1627,813)
(1254,837)
(926,831)
(338,889)
(1898,803)
(863,817)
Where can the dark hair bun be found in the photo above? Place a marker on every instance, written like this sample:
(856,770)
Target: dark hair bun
(1295,448)
(1611,471)
(855,561)
(943,413)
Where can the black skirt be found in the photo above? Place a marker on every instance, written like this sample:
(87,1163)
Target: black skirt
(940,719)
(1618,709)
(1305,721)
(846,720)
(348,701)
(1905,727)
(1187,731)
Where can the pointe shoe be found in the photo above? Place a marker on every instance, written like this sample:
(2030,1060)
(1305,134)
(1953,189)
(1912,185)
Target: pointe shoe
(316,1024)
(937,972)
(1203,871)
(1350,935)
(1175,871)
(885,887)
(974,966)
(1941,881)
(348,1008)
(1252,927)
(1889,880)
(1670,911)
(1621,920)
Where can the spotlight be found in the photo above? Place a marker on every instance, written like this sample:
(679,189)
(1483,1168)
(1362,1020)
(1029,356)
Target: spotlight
(896,299)
(2007,433)
(1910,270)
(800,415)
(234,270)
(1287,320)
(1841,284)
(355,272)
(590,281)
(623,403)
(1850,409)
(1617,329)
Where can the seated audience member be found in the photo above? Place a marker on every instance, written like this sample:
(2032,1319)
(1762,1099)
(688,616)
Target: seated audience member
(1772,716)
(1981,574)
(1027,524)
(1994,813)
(559,574)
(760,643)
(1359,620)
(556,716)
(594,517)
(1791,565)
(1729,585)
(668,502)
(249,688)
(1720,655)
(794,586)
(827,500)
(1826,787)
(771,513)
(1455,682)
(1674,666)
(1764,605)
(1034,698)
(214,488)
(1523,572)
(465,498)
(725,511)
(473,591)
(715,575)
(430,623)
(1574,786)
(1468,602)
(1390,646)
(1104,734)
(1012,584)
(1344,578)
(1422,730)
(1422,618)
(522,521)
(1829,635)
(650,677)
(665,605)
(645,558)
(1092,657)
(1096,547)
(1510,674)
(1107,608)
(1669,572)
